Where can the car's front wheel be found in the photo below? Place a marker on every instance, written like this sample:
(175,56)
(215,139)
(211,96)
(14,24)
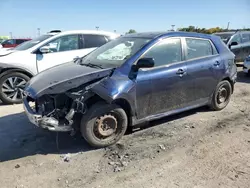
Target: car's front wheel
(221,96)
(11,87)
(104,124)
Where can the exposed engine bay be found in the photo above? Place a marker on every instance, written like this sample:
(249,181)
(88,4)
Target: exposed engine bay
(57,112)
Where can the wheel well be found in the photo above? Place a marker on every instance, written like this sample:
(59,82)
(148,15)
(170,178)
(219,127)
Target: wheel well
(92,100)
(121,102)
(10,70)
(126,107)
(231,82)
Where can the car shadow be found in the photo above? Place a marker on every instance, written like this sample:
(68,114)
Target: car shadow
(19,138)
(170,118)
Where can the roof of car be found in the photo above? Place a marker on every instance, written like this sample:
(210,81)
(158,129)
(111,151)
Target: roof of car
(152,35)
(226,32)
(232,32)
(97,32)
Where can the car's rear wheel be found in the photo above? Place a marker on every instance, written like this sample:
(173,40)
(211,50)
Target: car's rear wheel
(104,124)
(12,86)
(221,96)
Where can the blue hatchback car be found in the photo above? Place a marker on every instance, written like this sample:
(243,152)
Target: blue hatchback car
(135,78)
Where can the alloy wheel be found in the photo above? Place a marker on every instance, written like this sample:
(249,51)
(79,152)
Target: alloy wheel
(13,88)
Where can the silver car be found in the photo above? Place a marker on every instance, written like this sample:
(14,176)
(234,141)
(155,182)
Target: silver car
(238,42)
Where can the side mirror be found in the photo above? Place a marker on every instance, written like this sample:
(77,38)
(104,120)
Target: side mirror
(44,50)
(145,63)
(233,44)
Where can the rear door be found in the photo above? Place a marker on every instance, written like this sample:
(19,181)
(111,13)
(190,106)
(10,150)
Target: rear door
(204,66)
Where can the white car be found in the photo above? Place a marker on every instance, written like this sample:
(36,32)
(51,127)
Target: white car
(246,65)
(19,64)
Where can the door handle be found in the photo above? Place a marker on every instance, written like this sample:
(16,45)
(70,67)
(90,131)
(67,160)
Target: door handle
(180,72)
(217,63)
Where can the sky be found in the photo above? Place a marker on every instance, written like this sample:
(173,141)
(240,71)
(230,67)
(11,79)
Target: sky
(23,17)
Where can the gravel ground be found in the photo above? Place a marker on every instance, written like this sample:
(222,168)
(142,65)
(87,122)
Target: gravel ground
(199,148)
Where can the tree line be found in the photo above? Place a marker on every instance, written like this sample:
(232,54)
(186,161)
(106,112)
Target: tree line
(201,30)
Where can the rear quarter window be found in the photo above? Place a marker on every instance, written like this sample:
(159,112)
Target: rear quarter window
(197,48)
(91,41)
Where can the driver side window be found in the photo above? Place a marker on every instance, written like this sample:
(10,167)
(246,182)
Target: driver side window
(165,52)
(64,43)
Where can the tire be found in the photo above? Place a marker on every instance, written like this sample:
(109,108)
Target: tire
(17,86)
(92,122)
(221,96)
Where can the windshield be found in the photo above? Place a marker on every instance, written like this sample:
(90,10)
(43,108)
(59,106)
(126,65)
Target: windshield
(116,52)
(224,36)
(31,43)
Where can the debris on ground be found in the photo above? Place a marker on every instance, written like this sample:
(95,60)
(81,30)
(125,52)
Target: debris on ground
(162,147)
(117,157)
(66,158)
(17,166)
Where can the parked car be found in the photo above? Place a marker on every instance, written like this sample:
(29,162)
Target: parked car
(246,66)
(135,78)
(19,64)
(11,43)
(238,42)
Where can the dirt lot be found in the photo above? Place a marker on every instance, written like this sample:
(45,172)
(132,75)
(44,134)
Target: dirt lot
(198,149)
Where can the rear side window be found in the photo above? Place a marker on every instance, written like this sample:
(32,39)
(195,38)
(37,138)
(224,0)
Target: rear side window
(246,37)
(92,41)
(197,48)
(20,41)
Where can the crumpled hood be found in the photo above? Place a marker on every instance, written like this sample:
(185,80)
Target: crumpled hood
(61,78)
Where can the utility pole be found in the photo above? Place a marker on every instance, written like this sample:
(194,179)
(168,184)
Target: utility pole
(11,35)
(172,27)
(97,27)
(228,25)
(38,31)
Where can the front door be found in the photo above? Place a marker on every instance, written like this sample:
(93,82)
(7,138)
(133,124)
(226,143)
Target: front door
(62,50)
(166,86)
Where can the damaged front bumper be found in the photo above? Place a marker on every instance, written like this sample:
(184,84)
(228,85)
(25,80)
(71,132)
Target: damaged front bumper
(44,122)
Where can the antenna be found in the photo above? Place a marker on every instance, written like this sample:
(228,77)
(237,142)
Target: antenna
(38,31)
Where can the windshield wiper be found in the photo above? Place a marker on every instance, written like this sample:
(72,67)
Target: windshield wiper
(92,65)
